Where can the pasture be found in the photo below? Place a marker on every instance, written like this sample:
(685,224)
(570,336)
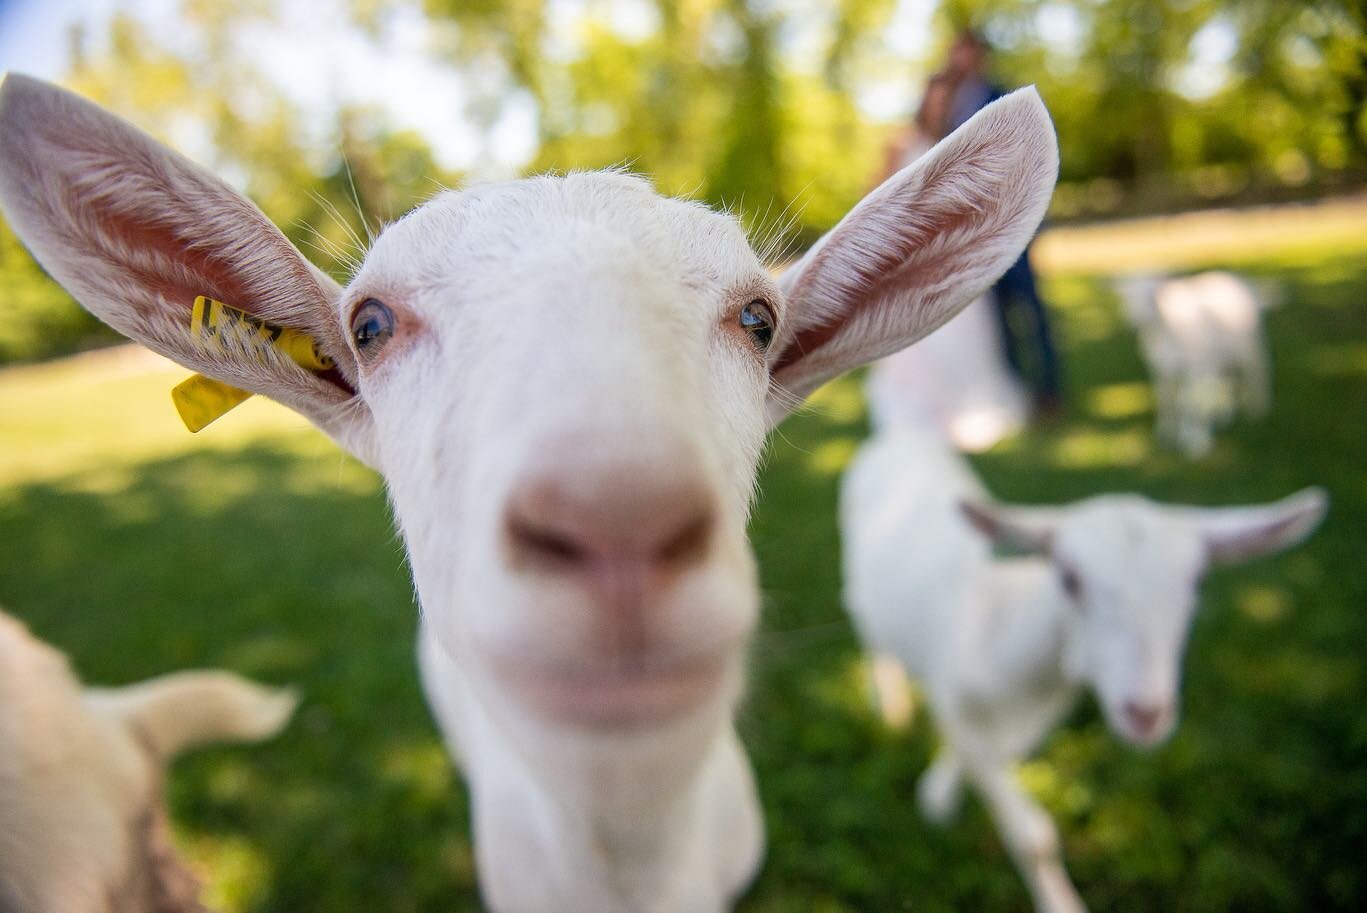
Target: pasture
(257,546)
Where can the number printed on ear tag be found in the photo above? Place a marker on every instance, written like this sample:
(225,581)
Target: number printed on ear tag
(200,400)
(222,326)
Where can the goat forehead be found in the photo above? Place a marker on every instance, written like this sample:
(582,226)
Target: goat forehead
(1130,540)
(603,215)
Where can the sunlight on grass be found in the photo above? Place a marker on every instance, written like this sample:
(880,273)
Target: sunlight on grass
(233,781)
(1042,779)
(1092,312)
(114,406)
(830,457)
(423,767)
(1328,229)
(1089,448)
(235,873)
(841,400)
(1116,401)
(1263,603)
(1336,361)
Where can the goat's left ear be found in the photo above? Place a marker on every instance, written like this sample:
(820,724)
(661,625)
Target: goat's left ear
(1028,530)
(917,249)
(1235,534)
(136,232)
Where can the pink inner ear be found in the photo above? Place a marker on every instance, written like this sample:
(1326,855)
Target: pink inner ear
(1252,543)
(209,275)
(204,273)
(876,252)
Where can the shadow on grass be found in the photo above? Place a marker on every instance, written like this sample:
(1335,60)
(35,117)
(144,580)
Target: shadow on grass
(285,569)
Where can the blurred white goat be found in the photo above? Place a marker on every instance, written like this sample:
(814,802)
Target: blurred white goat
(1003,647)
(567,383)
(1202,338)
(955,379)
(83,826)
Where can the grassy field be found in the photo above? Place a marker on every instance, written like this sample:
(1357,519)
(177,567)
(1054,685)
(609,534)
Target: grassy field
(257,546)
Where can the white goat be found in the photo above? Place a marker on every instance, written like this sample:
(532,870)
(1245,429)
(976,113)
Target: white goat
(956,379)
(1202,339)
(1003,648)
(83,827)
(566,383)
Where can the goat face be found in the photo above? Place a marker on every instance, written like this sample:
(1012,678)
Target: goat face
(569,391)
(1129,570)
(565,381)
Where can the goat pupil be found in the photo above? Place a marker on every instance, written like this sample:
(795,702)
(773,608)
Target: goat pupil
(372,325)
(756,320)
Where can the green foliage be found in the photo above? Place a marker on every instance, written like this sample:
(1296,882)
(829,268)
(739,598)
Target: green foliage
(39,318)
(140,549)
(705,98)
(744,104)
(1132,107)
(240,126)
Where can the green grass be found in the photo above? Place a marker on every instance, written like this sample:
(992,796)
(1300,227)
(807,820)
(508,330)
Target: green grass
(140,549)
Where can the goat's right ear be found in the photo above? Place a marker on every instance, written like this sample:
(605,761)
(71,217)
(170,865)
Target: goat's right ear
(917,249)
(1236,534)
(1028,530)
(136,232)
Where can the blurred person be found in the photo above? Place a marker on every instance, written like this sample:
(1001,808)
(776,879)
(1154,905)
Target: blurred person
(924,130)
(966,72)
(955,380)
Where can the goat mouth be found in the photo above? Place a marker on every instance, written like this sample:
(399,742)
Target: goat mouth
(618,695)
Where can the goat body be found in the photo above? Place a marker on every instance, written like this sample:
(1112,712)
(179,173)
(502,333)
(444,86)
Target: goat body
(1202,339)
(83,827)
(1103,600)
(957,380)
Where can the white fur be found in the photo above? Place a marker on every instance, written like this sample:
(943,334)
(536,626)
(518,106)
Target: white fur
(956,380)
(566,347)
(1001,649)
(81,770)
(1202,339)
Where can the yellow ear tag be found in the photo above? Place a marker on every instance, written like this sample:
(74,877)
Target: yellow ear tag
(216,326)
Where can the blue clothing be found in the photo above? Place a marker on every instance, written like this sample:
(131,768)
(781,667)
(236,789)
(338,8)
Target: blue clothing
(971,96)
(1018,302)
(1024,319)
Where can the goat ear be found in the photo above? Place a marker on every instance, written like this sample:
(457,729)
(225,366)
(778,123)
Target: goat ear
(1019,529)
(136,232)
(917,249)
(1236,534)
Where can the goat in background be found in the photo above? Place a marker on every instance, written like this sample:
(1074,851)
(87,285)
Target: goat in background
(83,825)
(1101,598)
(1202,339)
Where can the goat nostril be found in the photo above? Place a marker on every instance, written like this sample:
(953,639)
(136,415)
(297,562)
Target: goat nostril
(652,519)
(1145,717)
(688,543)
(544,543)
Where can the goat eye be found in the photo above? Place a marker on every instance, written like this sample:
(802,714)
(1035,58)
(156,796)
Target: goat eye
(1071,584)
(757,320)
(371,326)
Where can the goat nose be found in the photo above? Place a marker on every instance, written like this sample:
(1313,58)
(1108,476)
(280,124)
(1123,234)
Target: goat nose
(619,526)
(1144,717)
